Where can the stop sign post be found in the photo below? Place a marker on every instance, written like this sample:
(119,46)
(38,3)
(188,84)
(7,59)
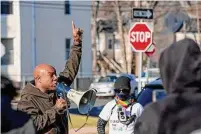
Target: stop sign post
(140,36)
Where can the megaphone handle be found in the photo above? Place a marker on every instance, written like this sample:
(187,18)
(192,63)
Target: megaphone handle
(68,114)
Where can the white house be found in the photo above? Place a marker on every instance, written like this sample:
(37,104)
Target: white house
(41,32)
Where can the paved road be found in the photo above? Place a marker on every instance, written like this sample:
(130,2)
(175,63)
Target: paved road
(87,130)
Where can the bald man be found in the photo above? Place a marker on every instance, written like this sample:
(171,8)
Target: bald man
(39,99)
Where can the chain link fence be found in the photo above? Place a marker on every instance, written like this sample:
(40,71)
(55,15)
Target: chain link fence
(80,83)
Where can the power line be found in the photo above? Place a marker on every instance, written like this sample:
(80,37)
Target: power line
(51,7)
(84,7)
(87,9)
(56,4)
(76,5)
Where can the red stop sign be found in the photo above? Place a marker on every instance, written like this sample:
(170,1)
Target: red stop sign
(140,37)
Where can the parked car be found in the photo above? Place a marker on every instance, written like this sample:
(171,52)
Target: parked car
(105,85)
(151,92)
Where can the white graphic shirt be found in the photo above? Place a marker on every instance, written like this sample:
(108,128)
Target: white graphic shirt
(109,113)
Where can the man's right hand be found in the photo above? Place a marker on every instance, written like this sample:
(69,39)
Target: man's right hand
(61,104)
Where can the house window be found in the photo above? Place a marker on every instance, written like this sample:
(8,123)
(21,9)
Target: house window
(8,58)
(110,44)
(6,7)
(117,44)
(67,48)
(67,7)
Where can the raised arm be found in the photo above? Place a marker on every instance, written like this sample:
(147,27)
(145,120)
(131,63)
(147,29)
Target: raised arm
(72,65)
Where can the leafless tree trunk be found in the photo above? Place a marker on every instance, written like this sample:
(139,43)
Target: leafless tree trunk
(95,6)
(128,50)
(102,67)
(121,34)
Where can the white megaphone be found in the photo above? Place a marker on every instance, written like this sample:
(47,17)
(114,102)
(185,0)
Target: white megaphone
(84,100)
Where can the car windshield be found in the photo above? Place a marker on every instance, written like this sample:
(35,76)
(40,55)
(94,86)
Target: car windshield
(107,79)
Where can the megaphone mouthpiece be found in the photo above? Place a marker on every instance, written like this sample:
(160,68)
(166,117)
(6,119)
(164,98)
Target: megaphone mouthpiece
(84,100)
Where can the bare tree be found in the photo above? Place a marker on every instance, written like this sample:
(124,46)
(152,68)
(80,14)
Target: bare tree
(114,9)
(119,11)
(121,34)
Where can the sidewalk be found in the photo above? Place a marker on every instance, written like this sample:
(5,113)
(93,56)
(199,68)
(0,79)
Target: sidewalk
(86,130)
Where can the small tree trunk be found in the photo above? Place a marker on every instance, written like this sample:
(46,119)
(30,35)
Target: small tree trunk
(121,34)
(129,51)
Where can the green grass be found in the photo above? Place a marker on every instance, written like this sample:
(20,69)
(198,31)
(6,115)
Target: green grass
(79,120)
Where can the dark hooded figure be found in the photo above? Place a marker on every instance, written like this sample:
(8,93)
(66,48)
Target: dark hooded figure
(180,111)
(12,121)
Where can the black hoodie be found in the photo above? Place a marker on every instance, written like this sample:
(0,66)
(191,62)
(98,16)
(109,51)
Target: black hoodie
(179,112)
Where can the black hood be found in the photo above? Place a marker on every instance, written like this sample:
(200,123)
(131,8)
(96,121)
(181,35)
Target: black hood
(180,67)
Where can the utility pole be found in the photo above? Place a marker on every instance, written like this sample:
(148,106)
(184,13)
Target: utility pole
(33,42)
(198,23)
(95,7)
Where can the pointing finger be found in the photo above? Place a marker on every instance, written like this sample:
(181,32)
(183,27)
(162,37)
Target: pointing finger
(73,26)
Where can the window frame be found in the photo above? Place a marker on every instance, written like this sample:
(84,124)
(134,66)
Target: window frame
(8,57)
(67,48)
(67,7)
(110,46)
(7,10)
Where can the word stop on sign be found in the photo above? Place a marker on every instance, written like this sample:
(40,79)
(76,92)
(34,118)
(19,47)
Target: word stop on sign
(140,36)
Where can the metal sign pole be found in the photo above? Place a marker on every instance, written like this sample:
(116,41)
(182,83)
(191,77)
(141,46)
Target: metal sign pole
(147,71)
(139,72)
(141,14)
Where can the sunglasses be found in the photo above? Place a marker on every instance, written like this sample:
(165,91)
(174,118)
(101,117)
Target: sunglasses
(125,91)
